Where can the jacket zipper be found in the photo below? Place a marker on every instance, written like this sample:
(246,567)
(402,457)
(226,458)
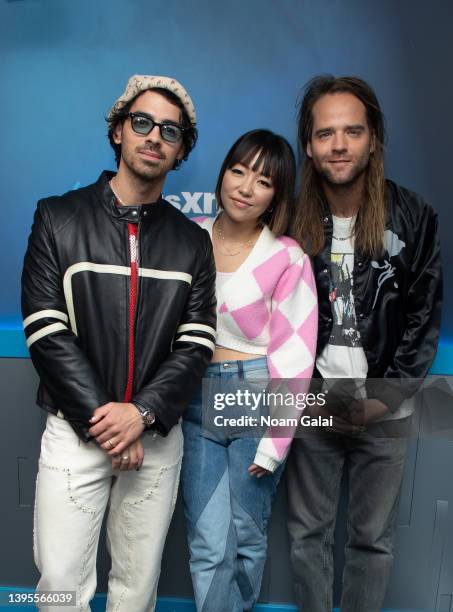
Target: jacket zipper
(132,229)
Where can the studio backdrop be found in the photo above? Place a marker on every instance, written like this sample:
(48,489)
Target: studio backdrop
(244,62)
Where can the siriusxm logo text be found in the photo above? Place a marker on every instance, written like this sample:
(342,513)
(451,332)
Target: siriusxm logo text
(196,203)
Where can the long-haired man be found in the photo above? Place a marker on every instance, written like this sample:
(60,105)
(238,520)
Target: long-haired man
(378,274)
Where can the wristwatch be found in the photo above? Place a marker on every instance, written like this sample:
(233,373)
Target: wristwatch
(148,416)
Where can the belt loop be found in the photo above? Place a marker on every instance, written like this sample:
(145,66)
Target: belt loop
(241,370)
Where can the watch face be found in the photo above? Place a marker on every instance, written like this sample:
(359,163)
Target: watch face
(149,418)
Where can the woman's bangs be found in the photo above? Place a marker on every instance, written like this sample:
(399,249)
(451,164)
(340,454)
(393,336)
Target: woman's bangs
(263,159)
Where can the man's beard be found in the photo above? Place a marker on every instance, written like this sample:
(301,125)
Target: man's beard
(335,182)
(143,171)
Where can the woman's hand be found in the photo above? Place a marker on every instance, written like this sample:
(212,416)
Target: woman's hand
(258,471)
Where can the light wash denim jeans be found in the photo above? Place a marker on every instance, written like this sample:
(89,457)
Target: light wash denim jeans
(227,510)
(76,485)
(375,464)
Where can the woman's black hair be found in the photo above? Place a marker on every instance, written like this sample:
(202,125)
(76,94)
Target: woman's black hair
(273,156)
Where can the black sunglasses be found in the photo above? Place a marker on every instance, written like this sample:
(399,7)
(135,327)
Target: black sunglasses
(143,124)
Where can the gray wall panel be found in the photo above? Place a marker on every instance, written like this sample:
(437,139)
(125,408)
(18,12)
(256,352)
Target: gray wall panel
(423,572)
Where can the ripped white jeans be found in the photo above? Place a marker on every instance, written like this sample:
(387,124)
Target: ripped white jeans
(75,485)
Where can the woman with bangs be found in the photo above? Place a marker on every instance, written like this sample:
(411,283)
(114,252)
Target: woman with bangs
(266,329)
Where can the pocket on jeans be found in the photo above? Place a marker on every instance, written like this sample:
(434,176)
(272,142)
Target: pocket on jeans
(257,379)
(258,374)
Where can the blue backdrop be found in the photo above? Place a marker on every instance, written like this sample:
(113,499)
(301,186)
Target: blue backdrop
(63,63)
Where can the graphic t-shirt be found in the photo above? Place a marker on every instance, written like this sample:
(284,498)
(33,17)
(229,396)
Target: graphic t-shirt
(343,356)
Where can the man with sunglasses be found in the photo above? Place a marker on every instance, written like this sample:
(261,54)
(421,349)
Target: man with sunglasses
(119,313)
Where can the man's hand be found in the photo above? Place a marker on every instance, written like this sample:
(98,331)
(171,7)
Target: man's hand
(336,409)
(115,426)
(363,412)
(358,415)
(131,458)
(349,415)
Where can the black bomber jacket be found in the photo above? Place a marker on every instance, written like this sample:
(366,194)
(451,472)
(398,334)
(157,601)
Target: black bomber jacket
(397,296)
(101,315)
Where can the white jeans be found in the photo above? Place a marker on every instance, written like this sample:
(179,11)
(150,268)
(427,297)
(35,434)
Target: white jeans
(75,484)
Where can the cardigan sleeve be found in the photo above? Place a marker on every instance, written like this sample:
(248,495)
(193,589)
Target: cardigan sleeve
(291,352)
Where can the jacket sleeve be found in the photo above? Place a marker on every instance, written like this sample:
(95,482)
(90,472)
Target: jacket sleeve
(178,377)
(417,348)
(63,368)
(291,352)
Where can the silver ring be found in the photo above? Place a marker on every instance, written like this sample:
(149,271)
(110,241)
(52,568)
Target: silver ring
(125,458)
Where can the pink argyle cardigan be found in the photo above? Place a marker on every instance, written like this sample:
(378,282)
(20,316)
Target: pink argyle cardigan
(269,307)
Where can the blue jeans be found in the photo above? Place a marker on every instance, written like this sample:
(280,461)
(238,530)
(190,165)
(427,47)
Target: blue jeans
(226,509)
(375,464)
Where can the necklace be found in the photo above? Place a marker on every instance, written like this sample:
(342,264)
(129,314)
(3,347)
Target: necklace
(341,238)
(221,236)
(350,235)
(116,195)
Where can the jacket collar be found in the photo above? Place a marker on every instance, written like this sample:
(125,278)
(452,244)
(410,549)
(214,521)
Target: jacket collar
(131,214)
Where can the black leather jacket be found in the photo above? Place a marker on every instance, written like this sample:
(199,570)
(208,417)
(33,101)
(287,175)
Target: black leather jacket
(398,296)
(76,304)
